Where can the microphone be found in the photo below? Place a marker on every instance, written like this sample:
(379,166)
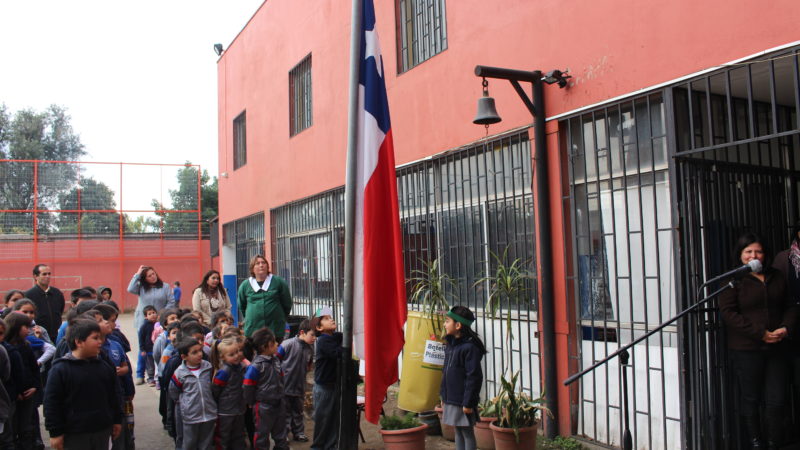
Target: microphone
(753,266)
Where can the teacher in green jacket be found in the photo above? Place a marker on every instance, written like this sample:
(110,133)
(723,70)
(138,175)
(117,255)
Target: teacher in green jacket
(264,299)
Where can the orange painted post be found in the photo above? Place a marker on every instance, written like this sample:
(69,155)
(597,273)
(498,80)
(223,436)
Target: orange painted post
(35,211)
(199,222)
(120,245)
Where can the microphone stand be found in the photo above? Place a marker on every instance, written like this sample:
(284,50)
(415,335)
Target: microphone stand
(627,442)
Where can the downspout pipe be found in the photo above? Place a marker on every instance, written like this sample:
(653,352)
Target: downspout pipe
(545,262)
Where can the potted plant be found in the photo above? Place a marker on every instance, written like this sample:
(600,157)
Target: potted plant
(516,424)
(431,289)
(483,434)
(517,421)
(403,432)
(448,431)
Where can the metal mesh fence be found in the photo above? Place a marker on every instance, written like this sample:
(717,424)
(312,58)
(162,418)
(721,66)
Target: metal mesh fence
(97,213)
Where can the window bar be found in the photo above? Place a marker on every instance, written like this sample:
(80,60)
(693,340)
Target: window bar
(750,106)
(494,231)
(796,73)
(588,230)
(657,229)
(773,99)
(486,266)
(692,145)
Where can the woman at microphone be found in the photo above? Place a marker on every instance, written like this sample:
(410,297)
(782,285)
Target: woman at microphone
(757,315)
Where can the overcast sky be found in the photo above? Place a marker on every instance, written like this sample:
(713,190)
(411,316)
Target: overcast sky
(138,78)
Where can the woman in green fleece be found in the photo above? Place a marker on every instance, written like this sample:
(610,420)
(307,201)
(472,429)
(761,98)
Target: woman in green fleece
(264,299)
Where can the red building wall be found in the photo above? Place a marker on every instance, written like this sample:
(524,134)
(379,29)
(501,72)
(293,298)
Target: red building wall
(611,48)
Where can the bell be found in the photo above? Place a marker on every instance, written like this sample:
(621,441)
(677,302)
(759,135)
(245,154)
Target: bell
(487,113)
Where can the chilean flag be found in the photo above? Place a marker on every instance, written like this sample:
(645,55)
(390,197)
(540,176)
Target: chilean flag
(379,297)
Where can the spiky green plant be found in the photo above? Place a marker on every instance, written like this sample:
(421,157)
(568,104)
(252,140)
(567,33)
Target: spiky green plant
(515,409)
(507,284)
(430,288)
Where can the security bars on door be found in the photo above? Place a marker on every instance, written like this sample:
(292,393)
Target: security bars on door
(621,268)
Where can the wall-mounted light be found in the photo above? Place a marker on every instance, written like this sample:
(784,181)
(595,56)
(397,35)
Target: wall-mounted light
(218,49)
(224,175)
(557,76)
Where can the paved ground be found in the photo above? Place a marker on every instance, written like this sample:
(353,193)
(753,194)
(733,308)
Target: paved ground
(151,435)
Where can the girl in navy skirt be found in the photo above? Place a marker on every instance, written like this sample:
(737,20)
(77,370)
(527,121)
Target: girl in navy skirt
(462,375)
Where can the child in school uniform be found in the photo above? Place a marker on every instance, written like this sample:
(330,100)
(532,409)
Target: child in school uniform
(462,375)
(297,355)
(112,351)
(326,403)
(263,389)
(18,325)
(81,406)
(190,388)
(146,346)
(191,330)
(228,390)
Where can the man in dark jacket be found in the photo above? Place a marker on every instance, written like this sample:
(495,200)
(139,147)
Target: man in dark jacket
(48,299)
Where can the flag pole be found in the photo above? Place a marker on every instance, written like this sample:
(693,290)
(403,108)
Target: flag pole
(348,435)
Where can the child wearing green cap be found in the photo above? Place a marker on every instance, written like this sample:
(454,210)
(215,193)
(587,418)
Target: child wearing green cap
(462,375)
(326,403)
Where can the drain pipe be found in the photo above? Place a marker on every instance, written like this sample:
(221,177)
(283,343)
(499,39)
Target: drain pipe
(546,303)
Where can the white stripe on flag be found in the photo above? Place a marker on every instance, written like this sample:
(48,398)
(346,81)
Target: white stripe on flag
(370,139)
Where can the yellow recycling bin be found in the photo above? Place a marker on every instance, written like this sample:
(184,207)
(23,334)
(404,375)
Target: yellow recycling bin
(423,359)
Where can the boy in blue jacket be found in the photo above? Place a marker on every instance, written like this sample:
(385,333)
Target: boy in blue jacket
(81,406)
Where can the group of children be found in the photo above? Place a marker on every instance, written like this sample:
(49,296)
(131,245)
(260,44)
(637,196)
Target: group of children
(34,370)
(218,388)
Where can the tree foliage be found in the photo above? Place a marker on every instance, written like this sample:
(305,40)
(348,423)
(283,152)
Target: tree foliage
(89,195)
(32,135)
(185,199)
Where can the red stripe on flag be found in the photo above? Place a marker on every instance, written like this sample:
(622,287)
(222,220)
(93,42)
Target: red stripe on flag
(384,281)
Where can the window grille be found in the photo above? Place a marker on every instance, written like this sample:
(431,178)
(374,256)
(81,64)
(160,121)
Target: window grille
(622,266)
(240,140)
(422,31)
(460,207)
(247,235)
(300,113)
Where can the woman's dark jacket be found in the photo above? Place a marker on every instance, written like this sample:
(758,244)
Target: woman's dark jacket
(753,307)
(30,368)
(462,374)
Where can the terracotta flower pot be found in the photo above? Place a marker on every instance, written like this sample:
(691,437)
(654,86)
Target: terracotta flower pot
(504,438)
(483,434)
(448,431)
(408,439)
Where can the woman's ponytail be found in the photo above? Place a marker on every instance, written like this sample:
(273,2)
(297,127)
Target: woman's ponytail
(464,312)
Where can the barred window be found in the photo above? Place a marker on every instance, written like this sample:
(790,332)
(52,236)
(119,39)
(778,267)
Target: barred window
(247,236)
(422,31)
(300,116)
(239,141)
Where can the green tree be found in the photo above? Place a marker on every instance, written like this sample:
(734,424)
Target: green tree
(185,199)
(31,135)
(90,195)
(141,224)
